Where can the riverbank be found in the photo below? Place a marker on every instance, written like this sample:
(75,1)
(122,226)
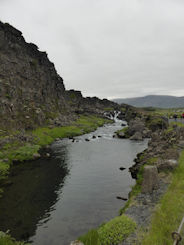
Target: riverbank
(75,175)
(158,213)
(152,210)
(23,146)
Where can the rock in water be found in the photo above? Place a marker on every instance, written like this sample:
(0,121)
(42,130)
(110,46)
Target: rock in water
(150,179)
(122,198)
(122,168)
(121,135)
(36,155)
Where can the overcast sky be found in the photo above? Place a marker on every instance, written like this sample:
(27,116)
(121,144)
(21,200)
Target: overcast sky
(107,48)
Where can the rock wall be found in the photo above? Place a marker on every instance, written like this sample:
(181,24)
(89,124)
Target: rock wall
(80,104)
(30,88)
(31,91)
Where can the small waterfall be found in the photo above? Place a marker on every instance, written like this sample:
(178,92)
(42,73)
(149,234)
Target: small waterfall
(113,115)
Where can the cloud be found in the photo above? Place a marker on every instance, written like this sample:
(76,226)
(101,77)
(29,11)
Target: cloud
(107,48)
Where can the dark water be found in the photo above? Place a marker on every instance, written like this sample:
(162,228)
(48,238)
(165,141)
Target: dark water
(53,201)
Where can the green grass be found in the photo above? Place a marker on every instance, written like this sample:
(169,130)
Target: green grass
(83,125)
(6,239)
(169,212)
(165,112)
(90,238)
(110,233)
(171,126)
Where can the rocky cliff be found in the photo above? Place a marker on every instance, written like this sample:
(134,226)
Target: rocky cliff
(31,91)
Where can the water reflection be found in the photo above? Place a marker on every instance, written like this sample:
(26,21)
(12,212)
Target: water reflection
(53,201)
(33,195)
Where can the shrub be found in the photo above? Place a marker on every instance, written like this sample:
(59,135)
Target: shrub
(116,230)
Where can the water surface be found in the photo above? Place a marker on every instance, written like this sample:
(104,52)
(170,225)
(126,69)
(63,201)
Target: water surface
(54,200)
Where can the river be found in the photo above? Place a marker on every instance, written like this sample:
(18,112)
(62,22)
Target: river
(55,200)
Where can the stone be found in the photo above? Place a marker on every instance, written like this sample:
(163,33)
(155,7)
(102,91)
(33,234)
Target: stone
(47,154)
(150,179)
(122,198)
(136,136)
(181,144)
(94,137)
(6,160)
(36,155)
(136,125)
(171,153)
(122,168)
(121,135)
(167,165)
(146,133)
(76,243)
(86,139)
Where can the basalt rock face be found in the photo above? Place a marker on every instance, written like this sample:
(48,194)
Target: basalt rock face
(31,91)
(80,104)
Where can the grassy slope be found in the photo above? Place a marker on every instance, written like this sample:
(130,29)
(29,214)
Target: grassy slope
(169,212)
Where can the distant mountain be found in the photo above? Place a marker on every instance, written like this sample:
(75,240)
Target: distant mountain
(161,101)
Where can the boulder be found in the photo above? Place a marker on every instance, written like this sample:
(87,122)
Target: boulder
(136,136)
(150,179)
(146,133)
(171,153)
(167,165)
(36,155)
(136,126)
(181,144)
(121,135)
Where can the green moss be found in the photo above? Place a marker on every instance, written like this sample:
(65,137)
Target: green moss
(169,211)
(123,130)
(4,167)
(24,152)
(112,232)
(116,230)
(152,161)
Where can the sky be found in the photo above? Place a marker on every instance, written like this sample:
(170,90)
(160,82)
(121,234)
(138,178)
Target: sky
(107,48)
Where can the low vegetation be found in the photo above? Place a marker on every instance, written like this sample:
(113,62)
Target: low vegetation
(169,212)
(6,239)
(112,232)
